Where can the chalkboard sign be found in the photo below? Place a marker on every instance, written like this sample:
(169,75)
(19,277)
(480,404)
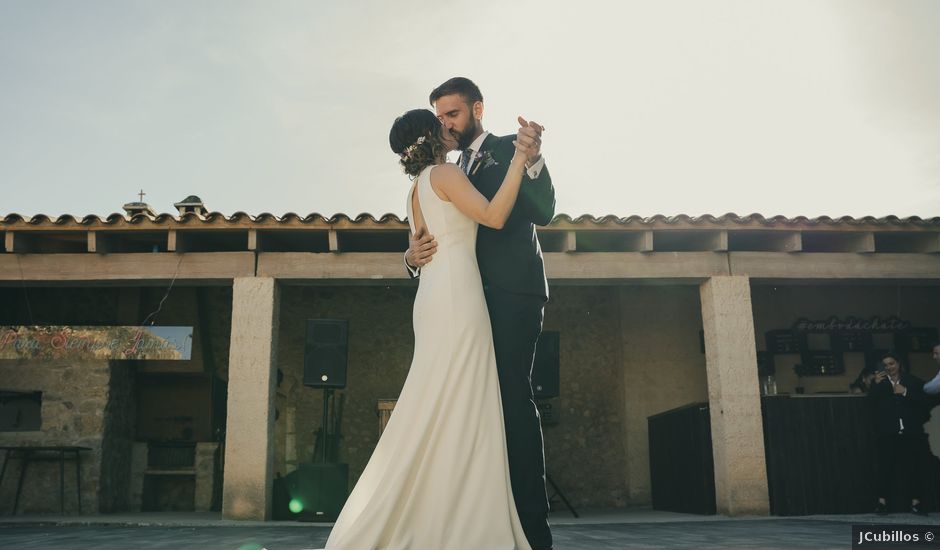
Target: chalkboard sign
(782,341)
(852,341)
(820,363)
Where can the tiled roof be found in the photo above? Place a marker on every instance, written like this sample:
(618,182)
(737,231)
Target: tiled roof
(242,218)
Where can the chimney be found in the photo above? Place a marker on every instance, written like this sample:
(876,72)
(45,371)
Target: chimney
(134,208)
(139,207)
(191,205)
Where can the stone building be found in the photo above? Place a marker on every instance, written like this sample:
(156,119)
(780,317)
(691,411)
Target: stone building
(653,314)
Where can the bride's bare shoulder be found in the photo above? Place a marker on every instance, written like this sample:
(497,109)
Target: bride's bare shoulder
(445,171)
(444,177)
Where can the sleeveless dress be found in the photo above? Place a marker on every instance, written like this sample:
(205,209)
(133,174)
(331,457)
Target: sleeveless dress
(439,476)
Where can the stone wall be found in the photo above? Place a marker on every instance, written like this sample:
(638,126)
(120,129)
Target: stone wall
(74,403)
(585,450)
(663,368)
(381,342)
(94,404)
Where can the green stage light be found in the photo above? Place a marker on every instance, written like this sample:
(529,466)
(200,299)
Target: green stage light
(295,506)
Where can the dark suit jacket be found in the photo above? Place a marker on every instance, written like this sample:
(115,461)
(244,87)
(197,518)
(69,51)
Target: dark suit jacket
(510,258)
(888,407)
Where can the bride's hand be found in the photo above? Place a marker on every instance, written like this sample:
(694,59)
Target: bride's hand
(521,150)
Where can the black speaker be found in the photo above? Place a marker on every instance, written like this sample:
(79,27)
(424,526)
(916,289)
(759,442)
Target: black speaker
(545,381)
(325,353)
(312,492)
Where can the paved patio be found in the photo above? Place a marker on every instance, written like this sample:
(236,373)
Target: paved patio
(598,530)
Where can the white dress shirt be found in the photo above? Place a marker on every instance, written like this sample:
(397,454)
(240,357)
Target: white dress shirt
(532,171)
(933,387)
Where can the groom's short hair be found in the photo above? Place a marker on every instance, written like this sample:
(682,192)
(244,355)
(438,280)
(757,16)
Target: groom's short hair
(457,85)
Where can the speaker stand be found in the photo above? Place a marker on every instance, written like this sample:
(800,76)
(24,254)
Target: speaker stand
(561,495)
(325,440)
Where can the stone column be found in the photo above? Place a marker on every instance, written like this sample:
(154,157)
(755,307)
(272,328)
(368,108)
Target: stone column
(249,445)
(734,397)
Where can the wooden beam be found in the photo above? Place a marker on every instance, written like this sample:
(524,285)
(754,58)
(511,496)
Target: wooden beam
(793,242)
(311,265)
(721,241)
(8,241)
(646,242)
(92,241)
(593,266)
(334,241)
(866,242)
(571,241)
(171,241)
(835,265)
(252,239)
(131,267)
(690,266)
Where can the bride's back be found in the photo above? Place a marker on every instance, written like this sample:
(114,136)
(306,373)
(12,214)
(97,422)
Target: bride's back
(455,232)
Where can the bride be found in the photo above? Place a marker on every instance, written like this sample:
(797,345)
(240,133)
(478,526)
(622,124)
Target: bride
(439,476)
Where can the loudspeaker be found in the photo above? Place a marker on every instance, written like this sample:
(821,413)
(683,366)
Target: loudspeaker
(325,353)
(312,492)
(545,369)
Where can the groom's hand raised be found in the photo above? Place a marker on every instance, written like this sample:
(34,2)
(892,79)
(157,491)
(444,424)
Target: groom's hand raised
(421,247)
(530,137)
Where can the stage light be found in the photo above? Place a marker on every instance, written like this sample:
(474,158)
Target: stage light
(295,506)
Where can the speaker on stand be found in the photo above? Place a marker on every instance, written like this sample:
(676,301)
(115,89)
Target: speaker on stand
(546,384)
(317,491)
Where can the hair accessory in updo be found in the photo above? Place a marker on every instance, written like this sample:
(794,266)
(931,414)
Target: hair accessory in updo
(406,154)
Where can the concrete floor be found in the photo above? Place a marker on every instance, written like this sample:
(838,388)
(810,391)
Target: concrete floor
(595,530)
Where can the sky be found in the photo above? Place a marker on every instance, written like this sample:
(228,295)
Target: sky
(789,107)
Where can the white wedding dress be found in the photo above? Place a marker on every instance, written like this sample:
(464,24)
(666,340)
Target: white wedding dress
(439,476)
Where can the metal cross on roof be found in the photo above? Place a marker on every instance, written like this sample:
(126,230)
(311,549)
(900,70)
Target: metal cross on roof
(141,194)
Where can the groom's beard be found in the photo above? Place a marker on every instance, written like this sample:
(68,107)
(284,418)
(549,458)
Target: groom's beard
(465,138)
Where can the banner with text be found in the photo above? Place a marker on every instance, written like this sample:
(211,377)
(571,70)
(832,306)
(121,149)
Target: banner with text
(89,343)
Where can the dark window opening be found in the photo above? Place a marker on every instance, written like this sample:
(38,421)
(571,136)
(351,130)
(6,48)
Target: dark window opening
(20,411)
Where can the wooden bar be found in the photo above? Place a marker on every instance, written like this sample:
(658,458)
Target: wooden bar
(821,456)
(682,471)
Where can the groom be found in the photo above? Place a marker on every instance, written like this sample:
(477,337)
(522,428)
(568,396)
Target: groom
(514,282)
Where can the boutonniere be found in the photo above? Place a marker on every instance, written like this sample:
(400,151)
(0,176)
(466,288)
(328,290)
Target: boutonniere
(484,159)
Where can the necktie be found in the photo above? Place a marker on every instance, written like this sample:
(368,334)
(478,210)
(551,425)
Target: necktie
(465,160)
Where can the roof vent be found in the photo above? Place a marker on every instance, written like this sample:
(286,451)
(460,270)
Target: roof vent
(191,205)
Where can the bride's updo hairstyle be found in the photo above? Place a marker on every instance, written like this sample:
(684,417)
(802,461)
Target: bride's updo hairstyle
(416,138)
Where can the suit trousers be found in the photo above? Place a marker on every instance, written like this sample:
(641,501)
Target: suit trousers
(517,323)
(899,461)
